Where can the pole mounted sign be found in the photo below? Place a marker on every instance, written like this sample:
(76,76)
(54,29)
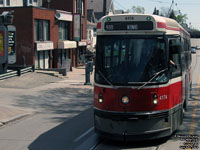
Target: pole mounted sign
(77,27)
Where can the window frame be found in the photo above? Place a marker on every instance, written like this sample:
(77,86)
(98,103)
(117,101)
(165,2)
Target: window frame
(175,71)
(40,27)
(64,30)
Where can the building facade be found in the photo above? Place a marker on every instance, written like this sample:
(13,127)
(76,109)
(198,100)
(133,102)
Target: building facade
(19,3)
(45,36)
(95,10)
(79,25)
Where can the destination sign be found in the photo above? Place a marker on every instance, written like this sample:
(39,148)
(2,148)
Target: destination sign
(136,25)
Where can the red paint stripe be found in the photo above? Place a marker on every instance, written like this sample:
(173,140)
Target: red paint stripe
(174,29)
(164,25)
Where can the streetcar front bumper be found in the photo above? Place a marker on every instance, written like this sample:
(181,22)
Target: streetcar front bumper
(132,126)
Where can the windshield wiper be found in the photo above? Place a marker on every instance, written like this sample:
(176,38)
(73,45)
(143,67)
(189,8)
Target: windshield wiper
(106,80)
(155,75)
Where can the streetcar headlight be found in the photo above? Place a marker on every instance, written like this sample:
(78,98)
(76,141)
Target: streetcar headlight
(155,99)
(125,100)
(100,100)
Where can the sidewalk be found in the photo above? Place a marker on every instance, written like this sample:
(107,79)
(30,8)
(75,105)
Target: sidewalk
(8,113)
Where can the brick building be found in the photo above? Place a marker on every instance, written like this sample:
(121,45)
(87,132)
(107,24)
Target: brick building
(76,7)
(45,35)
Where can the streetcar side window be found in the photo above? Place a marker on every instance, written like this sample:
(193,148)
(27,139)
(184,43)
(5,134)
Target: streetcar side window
(174,55)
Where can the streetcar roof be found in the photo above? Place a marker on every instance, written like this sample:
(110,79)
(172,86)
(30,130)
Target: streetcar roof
(160,24)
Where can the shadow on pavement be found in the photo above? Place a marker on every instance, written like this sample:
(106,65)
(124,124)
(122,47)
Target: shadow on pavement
(63,137)
(60,101)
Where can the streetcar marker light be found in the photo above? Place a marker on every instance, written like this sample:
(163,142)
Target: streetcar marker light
(148,18)
(108,19)
(99,25)
(125,100)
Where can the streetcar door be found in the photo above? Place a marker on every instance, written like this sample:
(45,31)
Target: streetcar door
(176,68)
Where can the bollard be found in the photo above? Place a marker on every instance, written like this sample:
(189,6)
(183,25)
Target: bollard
(88,70)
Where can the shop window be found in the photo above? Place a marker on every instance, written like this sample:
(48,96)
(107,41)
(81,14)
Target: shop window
(42,30)
(1,1)
(63,30)
(8,2)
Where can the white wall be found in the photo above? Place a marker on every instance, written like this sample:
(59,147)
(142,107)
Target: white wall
(16,3)
(195,42)
(19,3)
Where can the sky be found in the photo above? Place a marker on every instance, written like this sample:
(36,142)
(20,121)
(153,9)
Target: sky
(189,7)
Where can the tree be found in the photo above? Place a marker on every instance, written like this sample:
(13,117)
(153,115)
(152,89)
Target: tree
(172,15)
(155,12)
(176,15)
(181,18)
(137,9)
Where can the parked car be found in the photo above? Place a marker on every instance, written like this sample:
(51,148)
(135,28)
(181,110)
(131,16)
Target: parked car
(193,50)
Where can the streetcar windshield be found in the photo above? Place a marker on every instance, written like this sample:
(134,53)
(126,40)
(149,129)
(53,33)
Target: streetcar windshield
(130,59)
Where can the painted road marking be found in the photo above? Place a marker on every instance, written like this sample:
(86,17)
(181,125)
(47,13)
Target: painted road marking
(84,134)
(192,126)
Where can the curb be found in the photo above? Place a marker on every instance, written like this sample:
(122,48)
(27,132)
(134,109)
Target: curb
(13,119)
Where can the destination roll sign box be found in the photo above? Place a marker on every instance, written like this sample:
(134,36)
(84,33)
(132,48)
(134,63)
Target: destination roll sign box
(133,25)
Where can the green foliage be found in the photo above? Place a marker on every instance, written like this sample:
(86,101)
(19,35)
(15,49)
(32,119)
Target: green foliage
(176,15)
(181,18)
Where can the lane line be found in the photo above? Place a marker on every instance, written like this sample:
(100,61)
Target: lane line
(84,134)
(192,126)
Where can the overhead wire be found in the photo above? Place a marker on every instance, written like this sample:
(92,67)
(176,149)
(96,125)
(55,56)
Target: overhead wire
(119,4)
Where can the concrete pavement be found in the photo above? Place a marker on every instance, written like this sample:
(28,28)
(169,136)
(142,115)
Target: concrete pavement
(10,113)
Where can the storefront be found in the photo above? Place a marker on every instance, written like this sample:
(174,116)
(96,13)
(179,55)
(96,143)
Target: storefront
(65,52)
(82,45)
(43,54)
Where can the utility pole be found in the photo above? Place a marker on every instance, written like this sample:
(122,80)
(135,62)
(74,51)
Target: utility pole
(170,8)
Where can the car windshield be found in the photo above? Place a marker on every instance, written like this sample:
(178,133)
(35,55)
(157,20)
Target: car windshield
(130,59)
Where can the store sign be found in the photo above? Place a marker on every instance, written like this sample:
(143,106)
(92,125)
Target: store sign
(67,44)
(2,49)
(40,46)
(62,15)
(3,45)
(11,42)
(77,27)
(82,43)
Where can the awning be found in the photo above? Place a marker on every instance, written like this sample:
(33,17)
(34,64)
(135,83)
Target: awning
(82,43)
(67,44)
(44,45)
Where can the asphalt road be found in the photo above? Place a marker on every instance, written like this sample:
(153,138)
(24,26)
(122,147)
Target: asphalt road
(63,119)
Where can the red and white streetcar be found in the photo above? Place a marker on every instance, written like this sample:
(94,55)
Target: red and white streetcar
(142,76)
